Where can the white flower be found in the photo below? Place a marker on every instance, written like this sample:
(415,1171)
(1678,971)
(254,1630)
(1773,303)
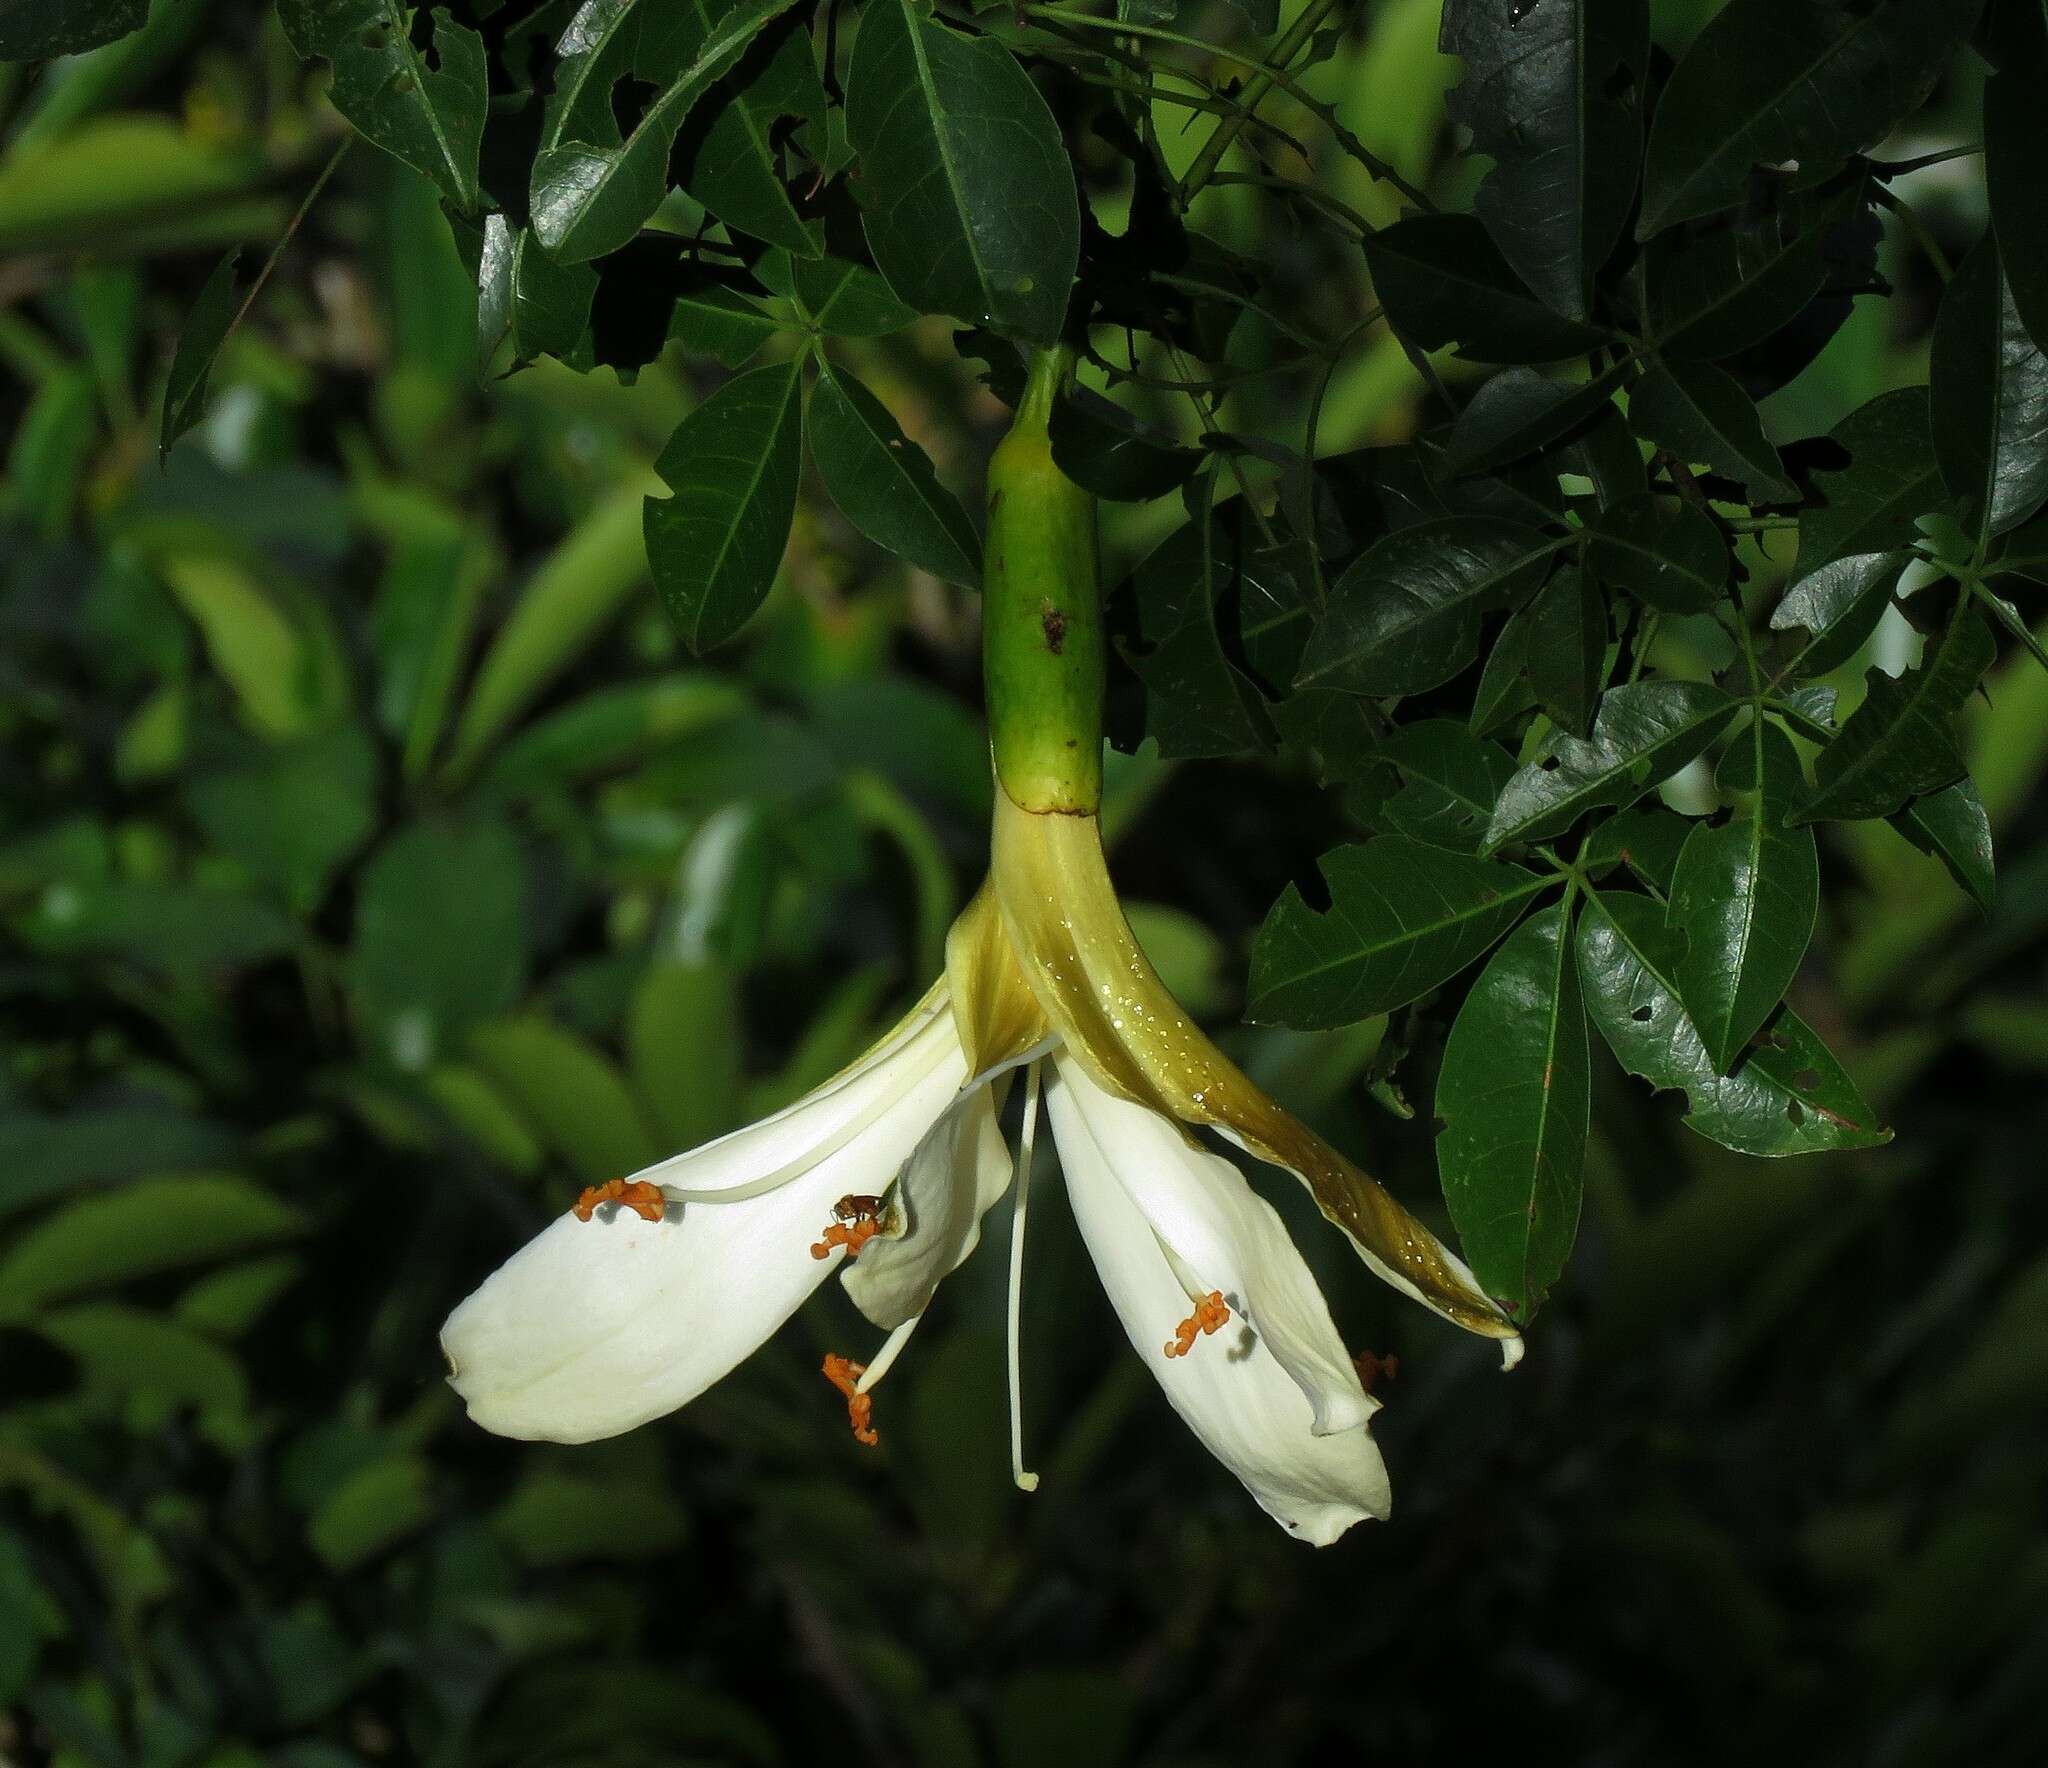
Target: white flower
(654,1287)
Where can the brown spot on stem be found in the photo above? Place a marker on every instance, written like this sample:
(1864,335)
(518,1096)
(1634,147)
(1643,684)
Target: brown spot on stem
(1055,624)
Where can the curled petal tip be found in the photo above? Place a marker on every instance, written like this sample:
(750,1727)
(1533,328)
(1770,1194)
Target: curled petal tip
(1511,1350)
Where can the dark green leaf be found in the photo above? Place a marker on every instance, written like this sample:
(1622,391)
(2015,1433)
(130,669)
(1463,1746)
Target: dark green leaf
(1553,94)
(1405,617)
(593,186)
(729,154)
(1442,279)
(1519,411)
(1788,1096)
(35,30)
(733,463)
(1989,393)
(1768,84)
(723,325)
(847,300)
(1840,606)
(1106,451)
(1647,838)
(1891,481)
(1902,740)
(1746,893)
(1403,919)
(205,330)
(440,939)
(294,814)
(2016,160)
(1505,691)
(967,192)
(1514,1098)
(1703,417)
(1644,733)
(884,482)
(1720,290)
(1606,453)
(544,306)
(1666,553)
(1450,780)
(1567,647)
(1952,825)
(424,107)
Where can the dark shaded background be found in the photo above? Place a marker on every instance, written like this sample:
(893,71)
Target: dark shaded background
(375,870)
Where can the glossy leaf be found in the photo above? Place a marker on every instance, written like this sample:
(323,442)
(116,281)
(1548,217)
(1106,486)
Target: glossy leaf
(1519,411)
(847,300)
(1553,94)
(1567,647)
(717,322)
(543,306)
(1646,838)
(200,339)
(1104,450)
(1839,606)
(729,155)
(1989,398)
(1665,552)
(425,108)
(593,184)
(1644,733)
(1787,1096)
(1515,1099)
(2016,159)
(967,192)
(1746,894)
(1443,280)
(1450,780)
(884,483)
(1701,416)
(1952,824)
(1405,617)
(1768,84)
(1891,481)
(1403,919)
(35,30)
(1902,740)
(733,464)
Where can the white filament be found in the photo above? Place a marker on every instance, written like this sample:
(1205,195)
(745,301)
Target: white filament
(1026,1482)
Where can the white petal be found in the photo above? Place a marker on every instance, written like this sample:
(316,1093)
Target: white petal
(799,1135)
(1227,1237)
(953,1179)
(595,1327)
(1246,1409)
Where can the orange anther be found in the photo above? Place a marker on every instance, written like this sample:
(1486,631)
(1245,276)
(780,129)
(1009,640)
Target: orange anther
(1210,1313)
(843,1373)
(860,1220)
(1372,1370)
(638,1195)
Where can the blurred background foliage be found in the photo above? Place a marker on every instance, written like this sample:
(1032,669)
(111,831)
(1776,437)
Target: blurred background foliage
(375,870)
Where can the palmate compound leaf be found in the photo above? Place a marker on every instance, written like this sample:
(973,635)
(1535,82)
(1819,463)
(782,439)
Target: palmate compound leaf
(1403,919)
(594,184)
(884,482)
(1553,94)
(1771,84)
(1406,616)
(1988,384)
(1515,1099)
(733,463)
(426,111)
(1902,740)
(967,192)
(1746,894)
(1788,1095)
(1644,732)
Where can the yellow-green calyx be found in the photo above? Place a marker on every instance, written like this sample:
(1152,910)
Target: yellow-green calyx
(1042,642)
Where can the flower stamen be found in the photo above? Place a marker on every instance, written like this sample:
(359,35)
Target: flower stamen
(860,1220)
(1211,1313)
(843,1373)
(1372,1370)
(643,1199)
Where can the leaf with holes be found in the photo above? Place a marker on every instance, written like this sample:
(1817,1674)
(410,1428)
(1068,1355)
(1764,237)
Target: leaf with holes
(733,463)
(1450,779)
(1839,606)
(1442,280)
(1902,740)
(1989,392)
(1553,94)
(1403,918)
(1802,87)
(1705,419)
(884,482)
(1644,732)
(1892,480)
(967,192)
(1646,838)
(425,107)
(1746,893)
(1405,617)
(1787,1096)
(1515,1098)
(1666,554)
